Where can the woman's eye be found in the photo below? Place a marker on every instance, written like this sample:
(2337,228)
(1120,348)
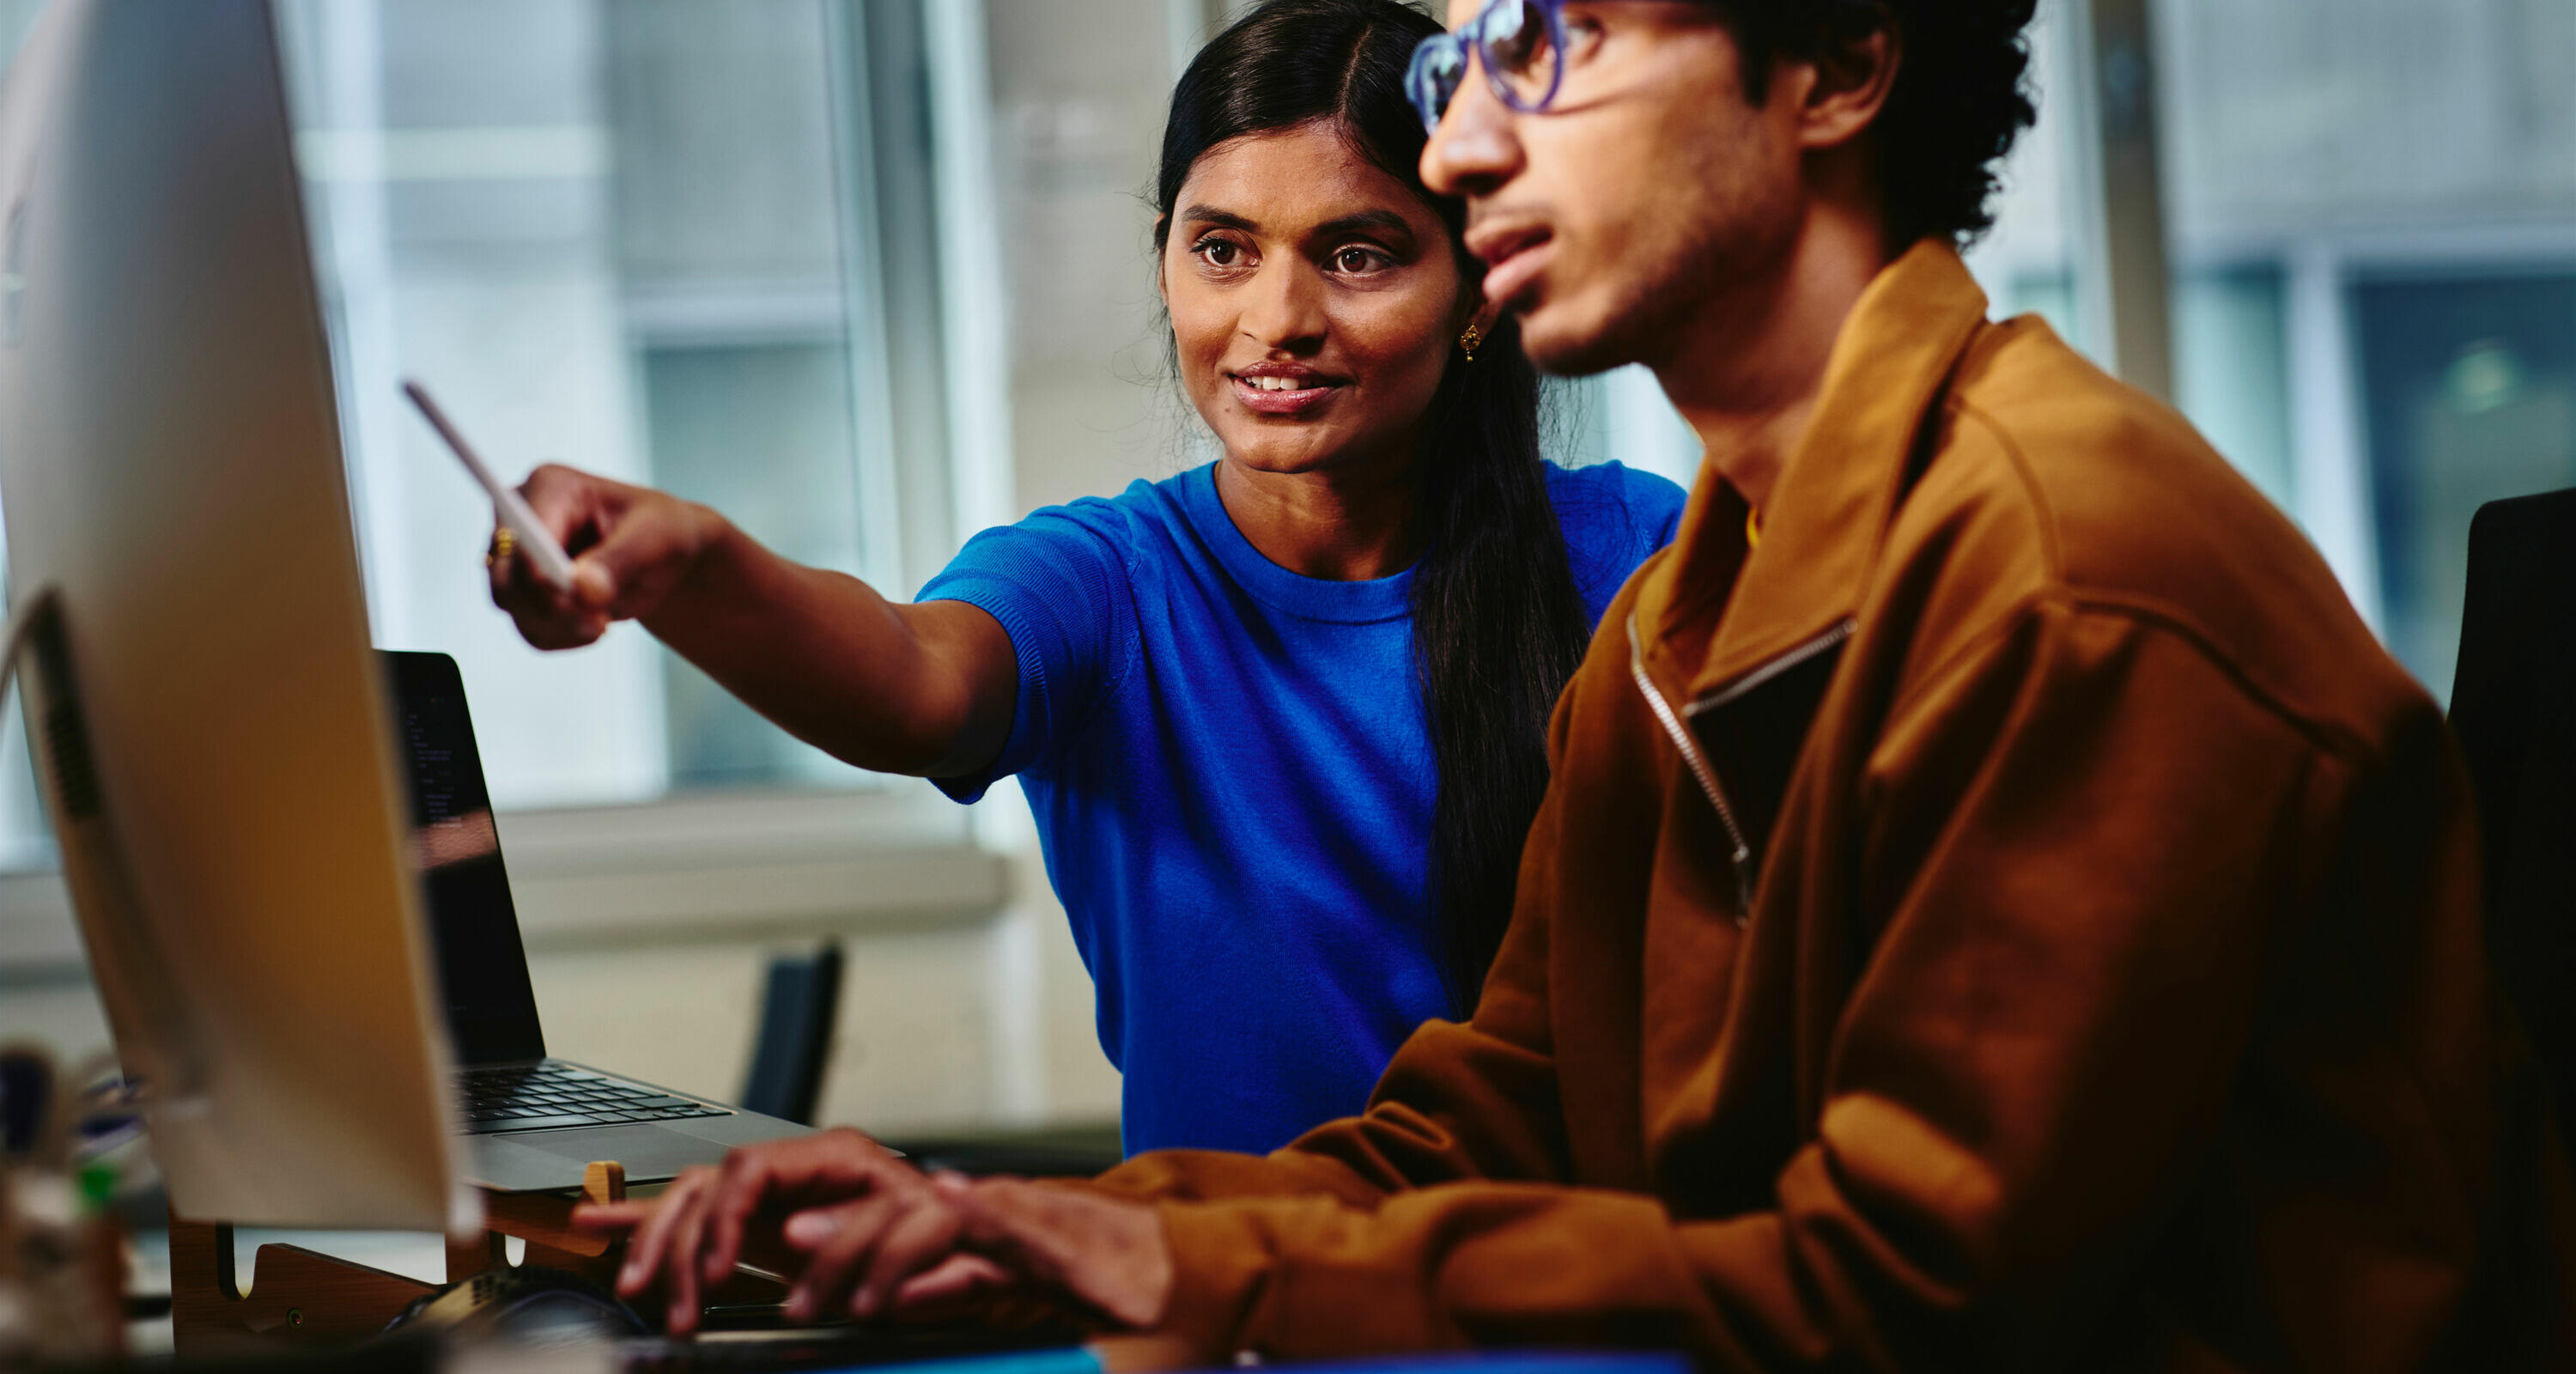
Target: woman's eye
(1357,260)
(1217,252)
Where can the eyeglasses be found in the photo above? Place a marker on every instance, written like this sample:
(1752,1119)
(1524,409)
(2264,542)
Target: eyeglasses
(1520,42)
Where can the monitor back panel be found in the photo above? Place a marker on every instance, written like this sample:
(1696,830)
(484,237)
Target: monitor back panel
(170,468)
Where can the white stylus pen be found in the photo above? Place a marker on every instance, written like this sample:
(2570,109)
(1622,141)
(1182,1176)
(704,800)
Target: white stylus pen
(544,554)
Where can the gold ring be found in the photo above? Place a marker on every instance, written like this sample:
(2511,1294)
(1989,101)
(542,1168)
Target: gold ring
(504,544)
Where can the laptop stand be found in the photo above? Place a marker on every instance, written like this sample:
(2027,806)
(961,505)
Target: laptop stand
(304,1299)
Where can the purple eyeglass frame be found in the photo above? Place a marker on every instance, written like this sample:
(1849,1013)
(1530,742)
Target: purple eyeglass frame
(1455,52)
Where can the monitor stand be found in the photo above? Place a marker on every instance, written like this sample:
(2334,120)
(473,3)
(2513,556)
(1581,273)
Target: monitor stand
(306,1299)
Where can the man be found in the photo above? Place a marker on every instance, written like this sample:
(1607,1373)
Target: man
(1996,905)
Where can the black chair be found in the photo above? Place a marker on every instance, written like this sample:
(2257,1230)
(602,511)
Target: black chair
(2513,705)
(798,1009)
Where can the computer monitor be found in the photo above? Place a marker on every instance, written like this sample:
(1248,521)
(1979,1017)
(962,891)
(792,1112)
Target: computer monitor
(206,706)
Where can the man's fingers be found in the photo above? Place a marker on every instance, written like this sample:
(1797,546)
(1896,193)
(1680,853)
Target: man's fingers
(811,1229)
(855,1227)
(961,1275)
(610,1217)
(1109,1253)
(644,1251)
(746,1181)
(913,1242)
(1004,1216)
(680,1263)
(828,1167)
(951,1287)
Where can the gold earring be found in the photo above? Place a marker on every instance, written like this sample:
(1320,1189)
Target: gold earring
(1469,341)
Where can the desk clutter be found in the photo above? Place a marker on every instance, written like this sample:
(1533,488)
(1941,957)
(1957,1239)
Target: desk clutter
(63,1254)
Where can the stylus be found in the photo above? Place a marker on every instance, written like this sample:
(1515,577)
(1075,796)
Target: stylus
(544,554)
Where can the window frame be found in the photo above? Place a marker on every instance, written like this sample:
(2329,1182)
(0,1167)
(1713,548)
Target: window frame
(912,146)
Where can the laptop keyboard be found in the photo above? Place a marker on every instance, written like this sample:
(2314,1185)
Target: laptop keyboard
(550,1096)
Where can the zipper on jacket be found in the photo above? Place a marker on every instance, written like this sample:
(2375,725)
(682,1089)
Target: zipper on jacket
(1698,765)
(1741,687)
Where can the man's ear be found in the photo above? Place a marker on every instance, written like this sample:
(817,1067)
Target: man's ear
(1850,84)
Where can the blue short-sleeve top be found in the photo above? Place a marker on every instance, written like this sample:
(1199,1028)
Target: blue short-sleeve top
(1232,780)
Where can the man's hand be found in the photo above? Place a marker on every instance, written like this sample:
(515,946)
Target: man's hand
(860,1232)
(704,1222)
(982,1237)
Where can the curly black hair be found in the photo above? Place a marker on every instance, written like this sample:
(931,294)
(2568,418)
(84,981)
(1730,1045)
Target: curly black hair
(1962,94)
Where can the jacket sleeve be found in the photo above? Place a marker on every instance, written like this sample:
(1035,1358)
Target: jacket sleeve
(2072,851)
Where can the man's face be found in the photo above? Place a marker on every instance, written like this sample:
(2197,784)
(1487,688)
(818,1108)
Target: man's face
(1647,198)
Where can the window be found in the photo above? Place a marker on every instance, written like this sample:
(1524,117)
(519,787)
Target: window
(2373,226)
(686,245)
(2369,219)
(2038,257)
(694,246)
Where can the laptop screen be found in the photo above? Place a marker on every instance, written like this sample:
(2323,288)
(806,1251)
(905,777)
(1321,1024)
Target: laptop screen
(483,970)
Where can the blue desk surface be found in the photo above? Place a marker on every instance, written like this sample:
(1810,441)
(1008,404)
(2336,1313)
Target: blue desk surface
(1077,1360)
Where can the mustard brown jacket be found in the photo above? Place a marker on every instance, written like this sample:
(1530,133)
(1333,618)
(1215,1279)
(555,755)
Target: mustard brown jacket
(2018,917)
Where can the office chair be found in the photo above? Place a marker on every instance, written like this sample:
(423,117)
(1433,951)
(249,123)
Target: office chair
(2513,705)
(798,1008)
(786,1080)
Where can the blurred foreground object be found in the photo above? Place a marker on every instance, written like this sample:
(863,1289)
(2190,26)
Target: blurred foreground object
(185,584)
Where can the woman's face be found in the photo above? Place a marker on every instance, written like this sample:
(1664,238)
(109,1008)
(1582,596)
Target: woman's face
(1314,300)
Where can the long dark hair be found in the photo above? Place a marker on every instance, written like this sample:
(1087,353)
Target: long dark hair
(1497,624)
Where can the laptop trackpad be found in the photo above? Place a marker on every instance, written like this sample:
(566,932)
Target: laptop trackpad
(648,1152)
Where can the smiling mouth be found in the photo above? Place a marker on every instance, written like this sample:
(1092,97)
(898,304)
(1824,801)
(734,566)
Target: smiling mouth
(1283,393)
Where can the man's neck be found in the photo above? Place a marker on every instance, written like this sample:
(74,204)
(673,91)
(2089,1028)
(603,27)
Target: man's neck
(1748,370)
(1345,524)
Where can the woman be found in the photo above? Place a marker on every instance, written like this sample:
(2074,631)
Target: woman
(1279,717)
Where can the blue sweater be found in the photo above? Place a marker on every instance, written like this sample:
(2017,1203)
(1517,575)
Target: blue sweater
(1233,780)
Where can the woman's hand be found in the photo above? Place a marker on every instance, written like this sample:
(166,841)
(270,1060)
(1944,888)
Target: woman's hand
(927,689)
(860,1232)
(630,546)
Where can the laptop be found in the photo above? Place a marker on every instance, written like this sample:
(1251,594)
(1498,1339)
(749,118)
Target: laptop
(533,1120)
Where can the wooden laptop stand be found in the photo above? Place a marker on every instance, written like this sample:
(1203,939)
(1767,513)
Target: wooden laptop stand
(304,1298)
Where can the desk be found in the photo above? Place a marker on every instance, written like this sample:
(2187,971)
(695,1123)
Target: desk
(1115,1356)
(307,1299)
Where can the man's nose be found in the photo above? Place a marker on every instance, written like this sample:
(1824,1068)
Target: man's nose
(1475,148)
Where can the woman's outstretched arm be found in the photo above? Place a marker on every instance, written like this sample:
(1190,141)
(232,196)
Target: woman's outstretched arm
(923,689)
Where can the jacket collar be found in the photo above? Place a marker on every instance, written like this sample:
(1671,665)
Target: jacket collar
(1837,494)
